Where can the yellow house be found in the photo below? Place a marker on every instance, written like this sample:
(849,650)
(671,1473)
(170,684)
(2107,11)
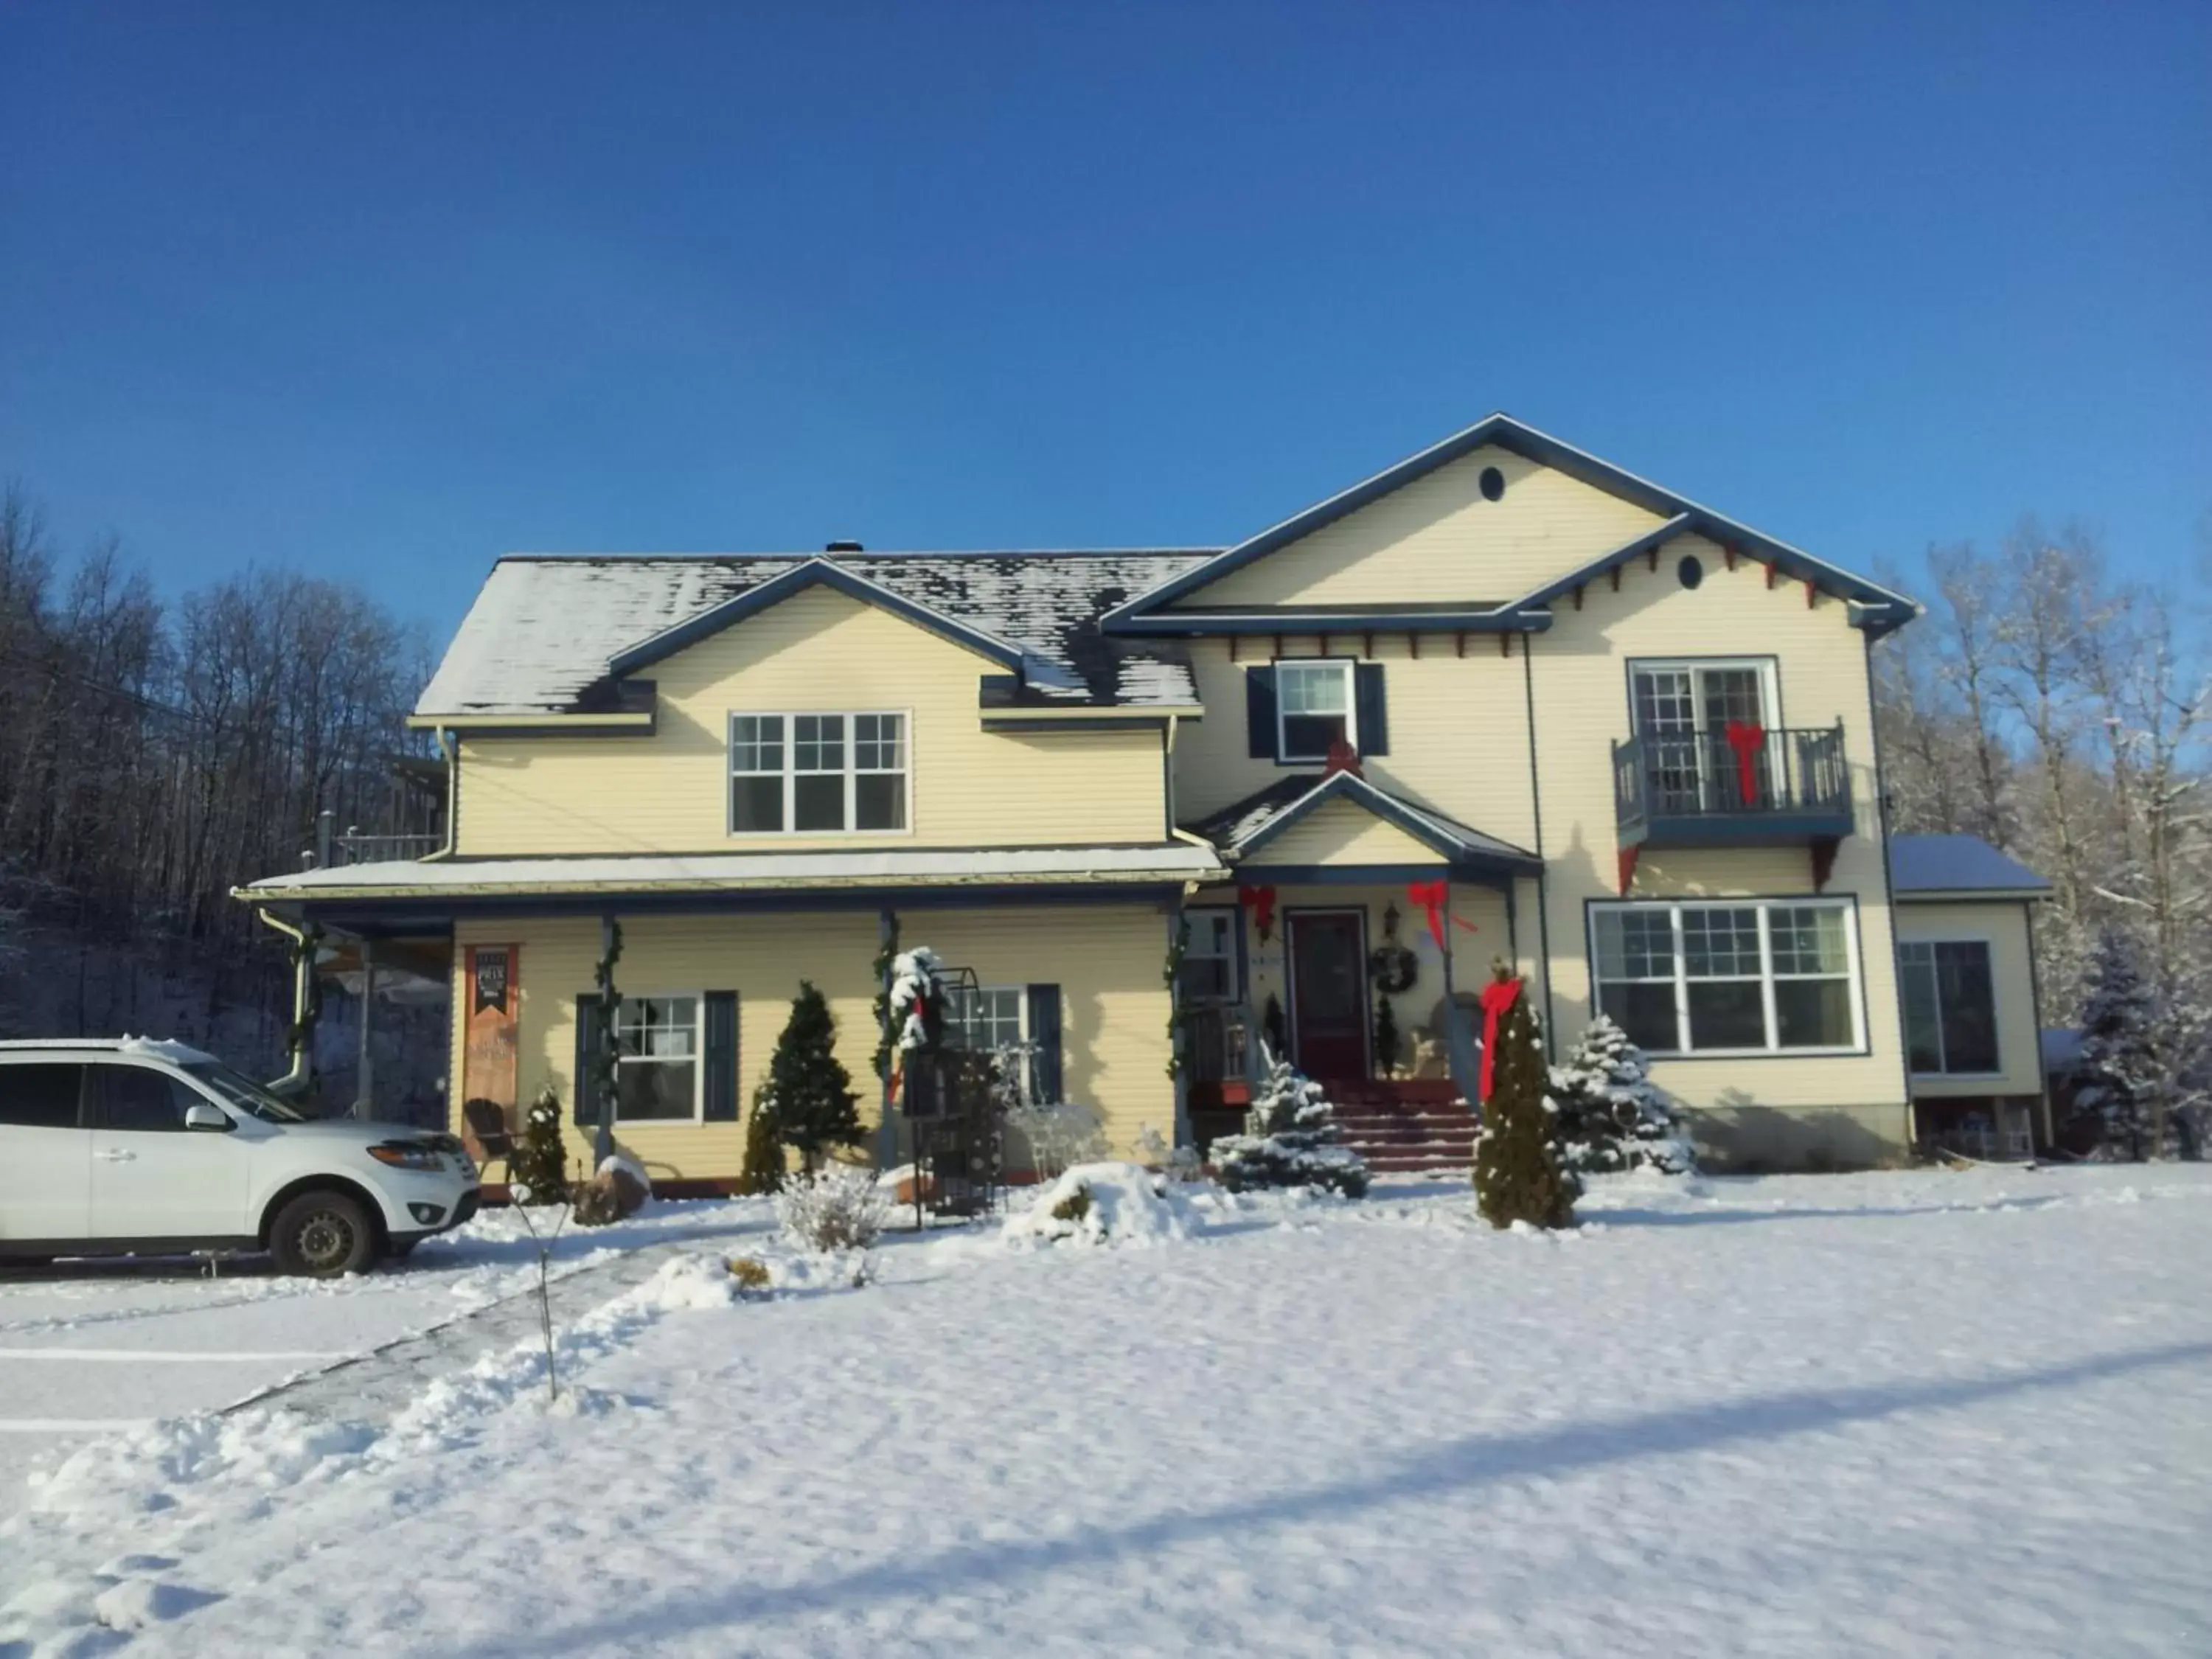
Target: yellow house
(1502,701)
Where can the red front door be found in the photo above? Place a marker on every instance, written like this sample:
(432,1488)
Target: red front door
(1329,992)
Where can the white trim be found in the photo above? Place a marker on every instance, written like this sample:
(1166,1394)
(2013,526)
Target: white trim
(1774,1048)
(789,744)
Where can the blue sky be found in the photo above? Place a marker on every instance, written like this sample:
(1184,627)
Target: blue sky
(383,291)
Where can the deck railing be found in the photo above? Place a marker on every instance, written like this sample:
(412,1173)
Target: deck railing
(1670,777)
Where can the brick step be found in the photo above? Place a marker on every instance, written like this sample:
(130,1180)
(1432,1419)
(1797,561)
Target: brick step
(1368,1115)
(1427,1128)
(1440,1091)
(1404,1164)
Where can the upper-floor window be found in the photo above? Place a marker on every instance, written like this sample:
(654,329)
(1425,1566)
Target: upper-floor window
(1314,703)
(817,773)
(1766,976)
(1950,1006)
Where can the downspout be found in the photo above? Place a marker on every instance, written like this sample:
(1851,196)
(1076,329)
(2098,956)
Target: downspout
(451,755)
(301,1040)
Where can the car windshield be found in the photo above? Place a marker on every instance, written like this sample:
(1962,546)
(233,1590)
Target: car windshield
(243,1092)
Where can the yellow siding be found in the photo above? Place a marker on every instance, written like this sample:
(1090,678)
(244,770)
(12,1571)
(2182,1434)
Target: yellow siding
(2003,924)
(1342,832)
(819,650)
(1437,540)
(1107,960)
(1459,737)
(1581,708)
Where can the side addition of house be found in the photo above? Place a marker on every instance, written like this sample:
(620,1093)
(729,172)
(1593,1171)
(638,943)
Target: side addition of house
(1501,702)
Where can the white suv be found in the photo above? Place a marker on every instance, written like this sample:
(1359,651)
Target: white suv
(118,1146)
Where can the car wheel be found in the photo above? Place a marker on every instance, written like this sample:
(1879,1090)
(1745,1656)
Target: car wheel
(322,1236)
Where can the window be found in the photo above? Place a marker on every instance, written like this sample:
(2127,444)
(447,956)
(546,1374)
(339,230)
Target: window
(138,1098)
(40,1096)
(657,1062)
(1769,976)
(1314,701)
(817,773)
(1682,711)
(987,1019)
(1209,961)
(1950,1006)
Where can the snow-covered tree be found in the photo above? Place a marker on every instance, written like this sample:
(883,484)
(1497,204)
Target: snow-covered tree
(809,1092)
(1518,1176)
(765,1165)
(1610,1116)
(1289,1139)
(2122,1078)
(541,1158)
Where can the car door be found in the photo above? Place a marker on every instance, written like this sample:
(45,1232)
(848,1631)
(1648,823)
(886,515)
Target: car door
(45,1150)
(152,1177)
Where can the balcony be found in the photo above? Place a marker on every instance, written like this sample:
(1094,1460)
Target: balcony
(1785,788)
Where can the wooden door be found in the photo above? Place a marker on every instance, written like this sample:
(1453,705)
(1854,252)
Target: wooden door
(1329,992)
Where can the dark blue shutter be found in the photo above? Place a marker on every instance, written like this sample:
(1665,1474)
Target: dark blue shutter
(1260,711)
(591,1020)
(1374,709)
(720,1092)
(1045,1042)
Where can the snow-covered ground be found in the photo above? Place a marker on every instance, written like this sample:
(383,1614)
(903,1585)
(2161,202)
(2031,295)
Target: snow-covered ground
(1920,1412)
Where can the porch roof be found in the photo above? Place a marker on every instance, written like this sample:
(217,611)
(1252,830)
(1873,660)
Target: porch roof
(706,873)
(1242,829)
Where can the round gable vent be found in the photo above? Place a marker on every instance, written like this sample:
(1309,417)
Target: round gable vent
(1690,570)
(1493,483)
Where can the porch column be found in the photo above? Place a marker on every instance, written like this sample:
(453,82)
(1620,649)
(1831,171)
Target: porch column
(603,1133)
(364,1090)
(887,1126)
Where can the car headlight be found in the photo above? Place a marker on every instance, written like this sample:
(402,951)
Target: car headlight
(407,1155)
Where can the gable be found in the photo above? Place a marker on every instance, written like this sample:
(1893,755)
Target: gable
(1344,832)
(1437,540)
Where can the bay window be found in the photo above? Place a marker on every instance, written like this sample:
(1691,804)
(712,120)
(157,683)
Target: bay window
(817,774)
(1950,1006)
(1758,976)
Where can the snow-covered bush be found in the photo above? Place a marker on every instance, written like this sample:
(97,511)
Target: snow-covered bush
(1289,1139)
(835,1207)
(1610,1116)
(917,1002)
(1060,1136)
(2116,1098)
(1103,1204)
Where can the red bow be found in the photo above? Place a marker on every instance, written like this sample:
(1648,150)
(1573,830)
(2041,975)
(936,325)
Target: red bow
(1497,996)
(1342,758)
(1261,901)
(1746,737)
(1432,896)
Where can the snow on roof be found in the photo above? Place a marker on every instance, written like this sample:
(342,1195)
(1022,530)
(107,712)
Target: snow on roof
(708,872)
(1956,864)
(542,629)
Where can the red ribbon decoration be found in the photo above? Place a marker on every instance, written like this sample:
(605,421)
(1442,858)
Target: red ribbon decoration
(1497,996)
(1747,737)
(1261,901)
(1432,896)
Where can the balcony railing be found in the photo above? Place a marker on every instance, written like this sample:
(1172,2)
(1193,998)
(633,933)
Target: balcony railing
(1753,785)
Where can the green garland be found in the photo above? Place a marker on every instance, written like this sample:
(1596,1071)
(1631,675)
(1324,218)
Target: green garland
(884,959)
(1173,976)
(607,1062)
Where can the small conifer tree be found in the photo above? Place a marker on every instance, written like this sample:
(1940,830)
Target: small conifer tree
(2120,1087)
(765,1167)
(541,1160)
(1610,1116)
(1289,1139)
(1387,1040)
(1517,1174)
(809,1093)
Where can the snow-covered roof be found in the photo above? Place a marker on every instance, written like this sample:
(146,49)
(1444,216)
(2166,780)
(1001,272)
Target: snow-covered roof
(1956,864)
(1172,861)
(1243,826)
(545,629)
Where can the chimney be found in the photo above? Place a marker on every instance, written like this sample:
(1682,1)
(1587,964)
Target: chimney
(841,547)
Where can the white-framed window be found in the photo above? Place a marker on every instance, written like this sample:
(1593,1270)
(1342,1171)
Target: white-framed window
(1209,959)
(1748,977)
(817,774)
(657,1070)
(1682,711)
(1315,707)
(1950,1007)
(989,1019)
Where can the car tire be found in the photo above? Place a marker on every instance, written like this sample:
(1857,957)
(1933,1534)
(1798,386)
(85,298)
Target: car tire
(322,1234)
(400,1251)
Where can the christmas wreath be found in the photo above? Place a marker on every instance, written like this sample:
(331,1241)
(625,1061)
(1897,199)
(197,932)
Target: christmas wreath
(1393,969)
